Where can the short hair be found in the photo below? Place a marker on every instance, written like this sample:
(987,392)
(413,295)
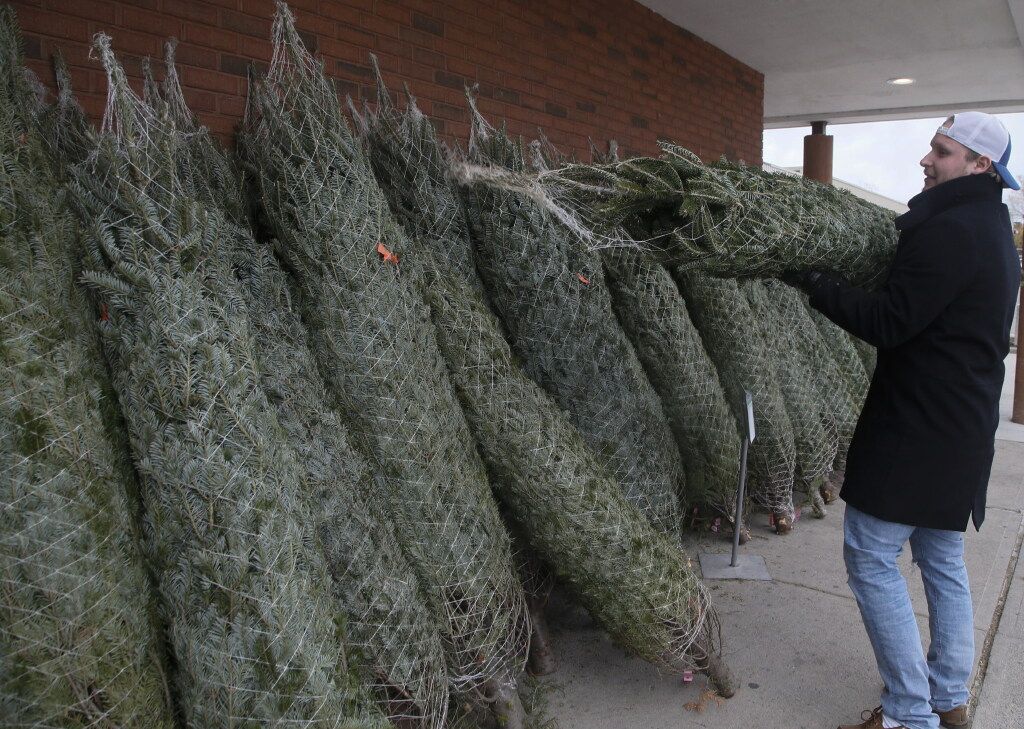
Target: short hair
(973,156)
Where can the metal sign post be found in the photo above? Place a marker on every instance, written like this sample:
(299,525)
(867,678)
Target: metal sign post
(737,566)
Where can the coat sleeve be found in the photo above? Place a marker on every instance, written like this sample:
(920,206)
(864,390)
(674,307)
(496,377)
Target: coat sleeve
(930,270)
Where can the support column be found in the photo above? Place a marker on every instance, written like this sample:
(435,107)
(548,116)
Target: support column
(818,154)
(1017,415)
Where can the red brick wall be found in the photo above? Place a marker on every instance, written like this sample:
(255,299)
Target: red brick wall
(577,69)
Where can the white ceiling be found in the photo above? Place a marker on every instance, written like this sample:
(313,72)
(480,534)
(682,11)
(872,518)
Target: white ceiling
(830,59)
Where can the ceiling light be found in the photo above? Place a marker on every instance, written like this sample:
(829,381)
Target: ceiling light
(901,81)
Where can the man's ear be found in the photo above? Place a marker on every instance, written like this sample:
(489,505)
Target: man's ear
(982,164)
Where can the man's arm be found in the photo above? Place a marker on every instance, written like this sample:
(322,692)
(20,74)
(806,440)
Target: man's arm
(929,272)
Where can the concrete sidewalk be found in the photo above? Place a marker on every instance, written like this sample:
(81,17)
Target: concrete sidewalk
(796,643)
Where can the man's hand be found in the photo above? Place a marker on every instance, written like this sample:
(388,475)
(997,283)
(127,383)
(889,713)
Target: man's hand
(805,281)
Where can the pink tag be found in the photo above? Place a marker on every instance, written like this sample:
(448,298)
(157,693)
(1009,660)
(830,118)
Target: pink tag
(687,676)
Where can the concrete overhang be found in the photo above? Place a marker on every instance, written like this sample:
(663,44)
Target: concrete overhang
(830,60)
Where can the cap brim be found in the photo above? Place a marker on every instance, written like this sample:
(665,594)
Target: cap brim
(1009,180)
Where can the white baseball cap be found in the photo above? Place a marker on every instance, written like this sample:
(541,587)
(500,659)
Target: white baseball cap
(984,134)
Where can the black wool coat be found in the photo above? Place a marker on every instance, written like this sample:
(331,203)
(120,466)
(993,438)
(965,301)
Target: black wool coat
(923,448)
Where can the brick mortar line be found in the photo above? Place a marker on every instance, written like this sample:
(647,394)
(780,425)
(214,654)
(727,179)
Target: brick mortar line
(997,615)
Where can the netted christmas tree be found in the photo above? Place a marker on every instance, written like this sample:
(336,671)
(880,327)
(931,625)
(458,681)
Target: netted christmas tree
(854,357)
(209,175)
(79,645)
(736,345)
(387,621)
(375,347)
(632,578)
(652,311)
(243,588)
(728,219)
(550,293)
(815,435)
(834,393)
(868,355)
(413,170)
(854,362)
(65,128)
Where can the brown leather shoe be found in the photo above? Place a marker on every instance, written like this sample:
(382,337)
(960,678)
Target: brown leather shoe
(955,718)
(871,720)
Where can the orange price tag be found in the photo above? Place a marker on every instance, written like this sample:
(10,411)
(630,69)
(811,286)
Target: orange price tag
(386,254)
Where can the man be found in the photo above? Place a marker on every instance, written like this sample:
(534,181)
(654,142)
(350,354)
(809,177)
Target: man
(919,462)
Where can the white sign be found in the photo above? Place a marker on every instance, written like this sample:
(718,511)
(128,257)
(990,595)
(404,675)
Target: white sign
(749,401)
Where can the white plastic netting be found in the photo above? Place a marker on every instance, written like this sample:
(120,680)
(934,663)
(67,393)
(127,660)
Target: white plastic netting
(243,590)
(653,313)
(735,342)
(78,642)
(854,357)
(371,335)
(726,219)
(815,435)
(414,172)
(834,391)
(867,353)
(651,310)
(66,131)
(550,293)
(387,620)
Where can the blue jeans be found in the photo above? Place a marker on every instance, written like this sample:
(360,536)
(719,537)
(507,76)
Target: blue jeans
(914,684)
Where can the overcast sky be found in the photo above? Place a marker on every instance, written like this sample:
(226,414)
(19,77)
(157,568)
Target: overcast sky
(880,156)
